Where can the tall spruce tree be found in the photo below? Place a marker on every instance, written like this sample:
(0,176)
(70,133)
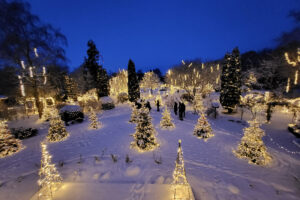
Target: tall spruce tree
(95,75)
(133,85)
(231,80)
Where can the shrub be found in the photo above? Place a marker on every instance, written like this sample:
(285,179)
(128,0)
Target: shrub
(107,103)
(122,97)
(23,133)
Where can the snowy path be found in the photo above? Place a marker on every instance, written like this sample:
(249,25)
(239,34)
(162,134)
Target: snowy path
(212,170)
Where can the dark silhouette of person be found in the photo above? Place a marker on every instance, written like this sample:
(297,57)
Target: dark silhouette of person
(138,105)
(157,105)
(183,109)
(147,105)
(180,111)
(175,107)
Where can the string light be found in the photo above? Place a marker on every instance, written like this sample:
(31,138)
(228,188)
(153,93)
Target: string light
(202,65)
(30,72)
(218,67)
(211,69)
(21,86)
(288,86)
(190,65)
(50,179)
(35,52)
(296,78)
(183,62)
(22,64)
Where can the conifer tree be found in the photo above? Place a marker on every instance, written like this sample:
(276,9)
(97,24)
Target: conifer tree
(252,146)
(57,130)
(144,136)
(134,114)
(182,189)
(8,143)
(203,129)
(198,103)
(95,75)
(133,85)
(71,88)
(166,120)
(50,179)
(231,81)
(93,119)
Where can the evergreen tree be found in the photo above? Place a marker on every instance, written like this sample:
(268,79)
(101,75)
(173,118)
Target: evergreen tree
(231,80)
(144,136)
(8,143)
(133,85)
(252,146)
(50,179)
(134,114)
(71,88)
(166,120)
(57,130)
(95,75)
(198,103)
(203,129)
(93,119)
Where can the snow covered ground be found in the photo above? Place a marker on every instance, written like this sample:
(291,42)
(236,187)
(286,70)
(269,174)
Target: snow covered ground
(84,161)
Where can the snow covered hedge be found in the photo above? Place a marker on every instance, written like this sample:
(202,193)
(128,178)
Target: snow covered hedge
(107,103)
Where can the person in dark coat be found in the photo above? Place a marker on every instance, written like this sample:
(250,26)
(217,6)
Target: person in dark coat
(147,105)
(175,107)
(157,105)
(183,109)
(180,111)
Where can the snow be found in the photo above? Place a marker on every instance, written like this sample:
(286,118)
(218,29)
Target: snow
(70,108)
(211,168)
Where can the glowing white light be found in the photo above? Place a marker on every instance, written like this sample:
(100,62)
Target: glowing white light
(35,52)
(211,69)
(288,86)
(22,64)
(44,70)
(296,78)
(190,64)
(202,66)
(21,86)
(183,62)
(218,67)
(30,72)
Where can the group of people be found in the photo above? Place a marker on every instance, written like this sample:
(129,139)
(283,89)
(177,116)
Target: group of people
(180,108)
(147,104)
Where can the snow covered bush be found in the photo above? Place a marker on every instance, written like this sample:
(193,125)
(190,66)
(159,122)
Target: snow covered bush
(71,113)
(8,143)
(107,103)
(203,129)
(166,120)
(252,147)
(23,133)
(122,97)
(144,136)
(57,130)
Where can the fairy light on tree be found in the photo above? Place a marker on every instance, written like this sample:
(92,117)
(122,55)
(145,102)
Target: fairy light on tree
(134,114)
(119,84)
(203,129)
(198,103)
(252,147)
(50,180)
(288,85)
(181,187)
(144,136)
(57,130)
(293,63)
(93,119)
(166,120)
(150,81)
(8,143)
(296,78)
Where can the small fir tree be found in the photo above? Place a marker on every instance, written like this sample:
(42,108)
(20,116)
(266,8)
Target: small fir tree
(8,143)
(231,81)
(133,84)
(50,179)
(71,88)
(182,189)
(93,119)
(252,146)
(134,114)
(57,130)
(203,129)
(198,103)
(166,120)
(144,136)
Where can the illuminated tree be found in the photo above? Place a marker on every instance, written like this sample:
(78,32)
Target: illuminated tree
(198,103)
(203,129)
(57,130)
(71,88)
(134,114)
(231,81)
(144,136)
(150,81)
(93,119)
(133,84)
(166,120)
(50,179)
(8,143)
(118,84)
(182,189)
(252,147)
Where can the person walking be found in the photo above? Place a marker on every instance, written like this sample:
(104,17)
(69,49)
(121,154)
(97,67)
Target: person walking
(157,104)
(180,111)
(175,107)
